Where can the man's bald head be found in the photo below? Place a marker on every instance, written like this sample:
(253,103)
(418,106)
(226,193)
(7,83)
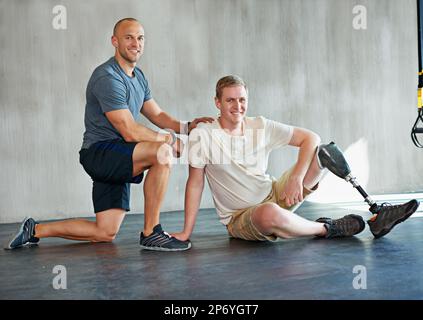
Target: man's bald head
(116,27)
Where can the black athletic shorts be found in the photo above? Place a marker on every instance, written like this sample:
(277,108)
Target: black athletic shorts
(109,164)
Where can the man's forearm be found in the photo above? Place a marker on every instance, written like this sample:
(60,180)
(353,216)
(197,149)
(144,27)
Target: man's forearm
(165,121)
(193,194)
(139,133)
(305,156)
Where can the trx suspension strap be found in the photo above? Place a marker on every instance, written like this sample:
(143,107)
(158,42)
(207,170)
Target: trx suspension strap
(419,121)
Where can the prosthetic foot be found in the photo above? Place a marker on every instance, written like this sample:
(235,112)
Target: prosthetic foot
(385,216)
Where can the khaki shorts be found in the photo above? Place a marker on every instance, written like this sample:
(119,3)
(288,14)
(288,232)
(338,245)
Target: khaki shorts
(241,226)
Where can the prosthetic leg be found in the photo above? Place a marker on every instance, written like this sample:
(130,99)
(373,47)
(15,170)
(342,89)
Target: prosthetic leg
(386,216)
(332,158)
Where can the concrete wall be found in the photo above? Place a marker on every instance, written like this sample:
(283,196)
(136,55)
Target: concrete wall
(304,63)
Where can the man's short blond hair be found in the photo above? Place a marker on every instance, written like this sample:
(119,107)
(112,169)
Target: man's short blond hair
(229,81)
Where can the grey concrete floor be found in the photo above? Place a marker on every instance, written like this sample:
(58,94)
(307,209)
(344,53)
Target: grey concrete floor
(218,267)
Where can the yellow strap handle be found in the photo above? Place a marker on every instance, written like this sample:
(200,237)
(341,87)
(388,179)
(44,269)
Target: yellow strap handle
(419,94)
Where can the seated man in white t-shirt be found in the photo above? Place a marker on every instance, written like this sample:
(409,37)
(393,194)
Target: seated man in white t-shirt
(232,152)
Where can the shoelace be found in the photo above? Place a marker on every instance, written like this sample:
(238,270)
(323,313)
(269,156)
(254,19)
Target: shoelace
(341,226)
(389,206)
(167,235)
(334,229)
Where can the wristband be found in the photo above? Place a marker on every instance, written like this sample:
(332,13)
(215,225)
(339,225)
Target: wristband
(173,135)
(185,129)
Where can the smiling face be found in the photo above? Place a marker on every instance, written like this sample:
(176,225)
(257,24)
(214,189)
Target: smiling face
(233,105)
(128,40)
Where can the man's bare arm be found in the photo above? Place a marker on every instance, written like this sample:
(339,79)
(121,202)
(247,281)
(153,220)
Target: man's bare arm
(152,111)
(131,131)
(193,193)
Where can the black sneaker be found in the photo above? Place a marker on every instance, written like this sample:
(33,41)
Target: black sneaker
(160,240)
(25,235)
(344,227)
(389,215)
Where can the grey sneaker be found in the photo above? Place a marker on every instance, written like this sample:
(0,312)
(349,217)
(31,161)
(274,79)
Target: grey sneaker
(388,216)
(25,235)
(347,226)
(160,240)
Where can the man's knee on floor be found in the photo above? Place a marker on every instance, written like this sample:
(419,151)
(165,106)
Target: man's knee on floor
(106,234)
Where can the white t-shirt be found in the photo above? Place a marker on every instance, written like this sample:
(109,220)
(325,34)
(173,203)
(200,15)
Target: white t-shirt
(235,166)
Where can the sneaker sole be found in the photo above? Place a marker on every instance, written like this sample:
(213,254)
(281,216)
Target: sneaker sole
(9,247)
(387,230)
(164,249)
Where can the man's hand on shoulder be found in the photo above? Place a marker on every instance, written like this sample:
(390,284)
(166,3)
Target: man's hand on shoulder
(193,124)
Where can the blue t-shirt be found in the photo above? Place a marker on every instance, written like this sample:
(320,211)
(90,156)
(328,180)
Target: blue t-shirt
(110,88)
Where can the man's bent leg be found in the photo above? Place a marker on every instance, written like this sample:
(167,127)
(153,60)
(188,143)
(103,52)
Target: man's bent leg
(104,229)
(270,219)
(157,158)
